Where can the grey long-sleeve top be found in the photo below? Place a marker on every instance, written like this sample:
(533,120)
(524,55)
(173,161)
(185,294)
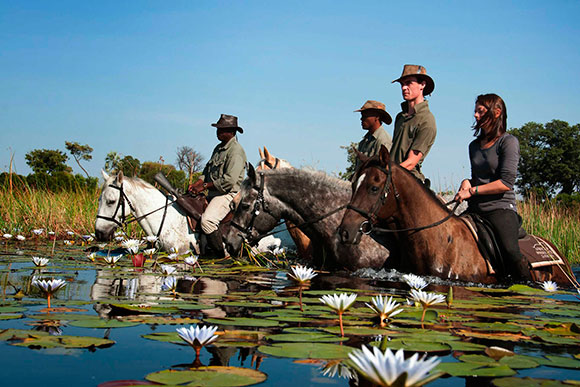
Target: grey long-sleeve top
(498,162)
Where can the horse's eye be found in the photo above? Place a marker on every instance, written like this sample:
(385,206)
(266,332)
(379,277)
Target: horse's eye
(374,189)
(110,202)
(245,206)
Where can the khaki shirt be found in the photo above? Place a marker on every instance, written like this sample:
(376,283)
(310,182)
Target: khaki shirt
(370,145)
(415,131)
(226,167)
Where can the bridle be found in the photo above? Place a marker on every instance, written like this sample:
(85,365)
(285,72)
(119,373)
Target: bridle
(369,225)
(123,222)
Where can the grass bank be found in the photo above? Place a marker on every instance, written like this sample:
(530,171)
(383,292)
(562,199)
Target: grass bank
(24,210)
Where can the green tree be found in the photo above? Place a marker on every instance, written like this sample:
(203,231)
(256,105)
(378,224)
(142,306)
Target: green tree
(112,161)
(79,152)
(351,159)
(175,177)
(130,166)
(549,158)
(47,161)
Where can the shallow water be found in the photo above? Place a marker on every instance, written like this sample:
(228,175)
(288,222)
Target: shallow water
(227,290)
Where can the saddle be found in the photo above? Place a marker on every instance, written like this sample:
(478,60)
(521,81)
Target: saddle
(539,253)
(194,206)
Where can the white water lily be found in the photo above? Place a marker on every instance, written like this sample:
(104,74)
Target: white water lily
(173,250)
(68,243)
(198,337)
(119,238)
(132,245)
(302,274)
(51,233)
(172,256)
(88,238)
(7,236)
(92,256)
(385,307)
(38,261)
(168,269)
(38,231)
(70,233)
(415,281)
(340,302)
(427,298)
(150,238)
(20,237)
(191,260)
(385,368)
(169,284)
(49,286)
(549,286)
(149,251)
(337,368)
(112,259)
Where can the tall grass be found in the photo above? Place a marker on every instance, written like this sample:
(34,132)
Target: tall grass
(559,224)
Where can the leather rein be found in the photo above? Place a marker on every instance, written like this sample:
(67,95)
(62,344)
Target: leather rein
(123,222)
(369,225)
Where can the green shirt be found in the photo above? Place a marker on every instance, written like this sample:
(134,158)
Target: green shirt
(226,167)
(370,145)
(416,132)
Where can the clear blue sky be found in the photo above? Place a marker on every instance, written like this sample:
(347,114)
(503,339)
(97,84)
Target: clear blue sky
(144,77)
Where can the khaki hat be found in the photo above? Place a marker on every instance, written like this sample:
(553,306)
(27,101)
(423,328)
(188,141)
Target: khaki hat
(227,121)
(421,73)
(380,107)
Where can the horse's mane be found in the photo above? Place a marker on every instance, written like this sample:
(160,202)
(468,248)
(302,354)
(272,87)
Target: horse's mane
(136,181)
(376,162)
(319,177)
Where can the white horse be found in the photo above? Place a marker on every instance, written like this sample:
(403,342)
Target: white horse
(121,196)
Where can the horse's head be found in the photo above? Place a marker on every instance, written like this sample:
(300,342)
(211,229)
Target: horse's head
(112,207)
(370,197)
(253,215)
(268,161)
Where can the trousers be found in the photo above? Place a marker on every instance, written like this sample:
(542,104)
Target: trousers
(506,225)
(217,209)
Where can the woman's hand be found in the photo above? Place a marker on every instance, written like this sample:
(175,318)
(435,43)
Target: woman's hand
(464,191)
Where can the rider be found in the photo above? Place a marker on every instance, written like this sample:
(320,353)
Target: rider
(415,127)
(222,177)
(494,157)
(373,114)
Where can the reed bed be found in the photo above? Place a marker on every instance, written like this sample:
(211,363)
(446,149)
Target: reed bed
(557,223)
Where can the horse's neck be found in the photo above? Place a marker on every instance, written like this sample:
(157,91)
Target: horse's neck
(304,196)
(145,201)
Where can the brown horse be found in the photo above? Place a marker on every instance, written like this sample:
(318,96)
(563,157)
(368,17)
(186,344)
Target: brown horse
(302,242)
(387,195)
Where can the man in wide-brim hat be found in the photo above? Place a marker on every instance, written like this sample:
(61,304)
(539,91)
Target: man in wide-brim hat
(222,178)
(415,128)
(373,115)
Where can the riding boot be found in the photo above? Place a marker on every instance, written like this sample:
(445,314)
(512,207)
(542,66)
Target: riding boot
(521,270)
(214,240)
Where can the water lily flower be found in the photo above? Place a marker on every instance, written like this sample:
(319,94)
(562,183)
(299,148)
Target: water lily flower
(119,238)
(168,269)
(415,281)
(40,262)
(88,238)
(386,308)
(49,287)
(149,252)
(339,303)
(70,233)
(337,368)
(7,236)
(426,299)
(172,256)
(150,238)
(112,259)
(173,250)
(549,286)
(92,256)
(38,231)
(191,260)
(132,245)
(138,260)
(302,274)
(391,369)
(68,242)
(198,337)
(51,233)
(169,284)
(20,237)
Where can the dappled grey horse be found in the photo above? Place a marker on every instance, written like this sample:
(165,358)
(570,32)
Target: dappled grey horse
(312,200)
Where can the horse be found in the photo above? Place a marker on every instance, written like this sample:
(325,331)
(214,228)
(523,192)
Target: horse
(302,242)
(436,241)
(312,200)
(122,196)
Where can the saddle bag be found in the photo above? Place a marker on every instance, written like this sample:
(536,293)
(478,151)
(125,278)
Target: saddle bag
(193,206)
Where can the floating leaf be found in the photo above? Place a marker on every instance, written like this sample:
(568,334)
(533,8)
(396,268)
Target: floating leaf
(415,345)
(474,369)
(306,350)
(519,362)
(528,382)
(45,341)
(10,316)
(102,323)
(209,376)
(242,322)
(559,362)
(306,337)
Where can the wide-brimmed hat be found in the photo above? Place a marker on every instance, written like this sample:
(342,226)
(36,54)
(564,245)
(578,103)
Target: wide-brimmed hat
(379,107)
(420,73)
(227,121)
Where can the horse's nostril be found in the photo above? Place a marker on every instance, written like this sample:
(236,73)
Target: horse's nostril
(344,235)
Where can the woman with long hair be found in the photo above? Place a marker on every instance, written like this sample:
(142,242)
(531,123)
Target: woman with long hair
(494,157)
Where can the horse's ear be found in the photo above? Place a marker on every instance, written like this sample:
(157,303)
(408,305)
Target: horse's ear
(251,174)
(267,155)
(384,156)
(262,157)
(104,174)
(120,177)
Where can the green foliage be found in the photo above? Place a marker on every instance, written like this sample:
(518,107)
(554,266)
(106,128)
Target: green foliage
(150,168)
(129,165)
(79,152)
(351,159)
(550,158)
(47,161)
(112,161)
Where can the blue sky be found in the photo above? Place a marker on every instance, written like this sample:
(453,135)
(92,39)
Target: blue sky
(144,77)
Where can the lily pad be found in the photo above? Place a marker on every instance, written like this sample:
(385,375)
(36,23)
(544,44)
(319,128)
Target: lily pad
(242,322)
(528,382)
(306,338)
(559,362)
(102,323)
(306,350)
(474,369)
(45,341)
(415,345)
(209,376)
(10,316)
